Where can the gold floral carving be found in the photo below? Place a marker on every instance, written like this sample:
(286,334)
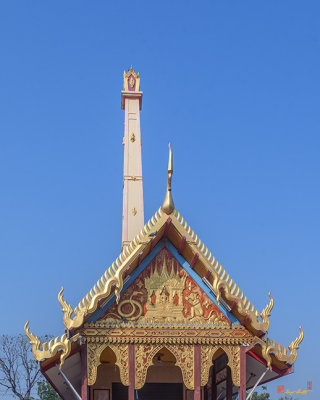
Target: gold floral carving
(207,353)
(185,360)
(233,353)
(94,351)
(51,348)
(122,361)
(143,360)
(167,334)
(281,353)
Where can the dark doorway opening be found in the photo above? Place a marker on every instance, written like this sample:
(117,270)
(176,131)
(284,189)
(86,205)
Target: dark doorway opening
(150,391)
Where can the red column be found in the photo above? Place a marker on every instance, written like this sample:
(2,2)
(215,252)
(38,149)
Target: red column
(131,372)
(229,384)
(197,372)
(213,384)
(84,377)
(243,373)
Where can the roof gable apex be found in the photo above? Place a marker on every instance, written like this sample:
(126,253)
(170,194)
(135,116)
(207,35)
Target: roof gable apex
(187,243)
(202,301)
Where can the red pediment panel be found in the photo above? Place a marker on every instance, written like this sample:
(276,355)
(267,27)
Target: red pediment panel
(164,293)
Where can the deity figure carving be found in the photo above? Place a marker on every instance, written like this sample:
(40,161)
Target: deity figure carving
(164,292)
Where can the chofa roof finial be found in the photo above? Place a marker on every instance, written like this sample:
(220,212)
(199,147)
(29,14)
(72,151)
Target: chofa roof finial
(168,205)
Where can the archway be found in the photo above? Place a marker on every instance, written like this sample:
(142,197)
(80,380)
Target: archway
(222,372)
(163,379)
(108,374)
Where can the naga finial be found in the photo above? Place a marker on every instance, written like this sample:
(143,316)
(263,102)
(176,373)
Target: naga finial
(168,205)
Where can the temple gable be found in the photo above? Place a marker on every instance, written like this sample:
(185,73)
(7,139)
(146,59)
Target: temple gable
(164,293)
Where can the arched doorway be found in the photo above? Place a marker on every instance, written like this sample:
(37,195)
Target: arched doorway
(108,374)
(220,385)
(164,378)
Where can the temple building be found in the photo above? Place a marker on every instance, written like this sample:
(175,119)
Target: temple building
(165,320)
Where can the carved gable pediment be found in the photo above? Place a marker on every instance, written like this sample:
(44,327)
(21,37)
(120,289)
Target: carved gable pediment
(164,293)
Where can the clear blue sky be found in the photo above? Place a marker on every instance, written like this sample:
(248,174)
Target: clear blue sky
(234,85)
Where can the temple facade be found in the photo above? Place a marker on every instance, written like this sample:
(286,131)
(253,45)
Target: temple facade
(165,320)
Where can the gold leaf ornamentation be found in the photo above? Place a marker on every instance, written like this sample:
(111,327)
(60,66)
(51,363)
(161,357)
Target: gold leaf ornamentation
(51,348)
(129,78)
(185,360)
(282,353)
(122,361)
(233,354)
(94,351)
(207,353)
(172,333)
(221,282)
(143,360)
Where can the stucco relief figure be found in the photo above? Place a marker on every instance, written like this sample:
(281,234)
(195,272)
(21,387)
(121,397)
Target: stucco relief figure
(196,306)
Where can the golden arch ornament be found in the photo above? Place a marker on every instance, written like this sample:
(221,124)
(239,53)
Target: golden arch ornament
(233,354)
(94,351)
(184,355)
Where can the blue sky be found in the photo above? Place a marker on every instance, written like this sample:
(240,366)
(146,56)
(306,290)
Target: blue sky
(234,86)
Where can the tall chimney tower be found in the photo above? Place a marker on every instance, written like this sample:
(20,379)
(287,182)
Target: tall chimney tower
(133,213)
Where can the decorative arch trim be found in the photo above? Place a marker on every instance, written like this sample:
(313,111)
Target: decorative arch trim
(94,351)
(233,354)
(184,355)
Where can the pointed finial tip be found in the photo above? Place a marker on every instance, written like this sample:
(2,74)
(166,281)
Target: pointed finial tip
(168,205)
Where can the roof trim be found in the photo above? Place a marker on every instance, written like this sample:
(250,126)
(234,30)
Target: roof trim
(285,354)
(222,285)
(50,349)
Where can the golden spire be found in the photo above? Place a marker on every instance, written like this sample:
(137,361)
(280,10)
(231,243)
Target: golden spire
(168,205)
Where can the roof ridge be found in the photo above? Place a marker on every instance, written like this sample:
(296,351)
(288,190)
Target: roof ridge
(113,276)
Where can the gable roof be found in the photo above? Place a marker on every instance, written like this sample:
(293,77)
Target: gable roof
(163,282)
(200,259)
(177,230)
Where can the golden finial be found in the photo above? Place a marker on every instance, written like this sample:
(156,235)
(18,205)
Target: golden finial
(168,205)
(131,80)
